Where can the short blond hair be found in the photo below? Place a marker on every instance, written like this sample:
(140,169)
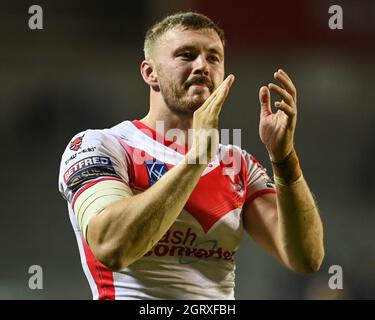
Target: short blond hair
(185,20)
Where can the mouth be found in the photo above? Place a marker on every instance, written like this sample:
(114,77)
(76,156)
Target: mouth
(202,85)
(199,88)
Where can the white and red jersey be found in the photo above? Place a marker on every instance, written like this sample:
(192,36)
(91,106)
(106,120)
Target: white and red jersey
(195,257)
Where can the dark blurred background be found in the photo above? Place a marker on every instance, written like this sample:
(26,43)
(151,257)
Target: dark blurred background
(82,71)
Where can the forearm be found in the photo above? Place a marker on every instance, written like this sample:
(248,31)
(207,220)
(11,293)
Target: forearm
(125,230)
(300,228)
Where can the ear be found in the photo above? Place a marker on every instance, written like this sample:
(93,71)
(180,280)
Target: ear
(149,74)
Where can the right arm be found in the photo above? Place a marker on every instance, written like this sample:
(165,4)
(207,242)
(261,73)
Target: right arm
(127,229)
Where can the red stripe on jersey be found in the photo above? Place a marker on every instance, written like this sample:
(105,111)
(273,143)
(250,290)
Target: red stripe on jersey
(156,136)
(90,184)
(138,172)
(213,198)
(259,193)
(216,193)
(102,276)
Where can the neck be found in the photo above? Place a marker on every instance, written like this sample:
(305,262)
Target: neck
(170,120)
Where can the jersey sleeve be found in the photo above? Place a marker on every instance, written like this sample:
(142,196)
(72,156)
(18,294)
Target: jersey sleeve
(93,173)
(257,180)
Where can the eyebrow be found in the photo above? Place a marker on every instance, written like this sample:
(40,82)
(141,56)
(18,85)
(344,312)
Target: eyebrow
(215,50)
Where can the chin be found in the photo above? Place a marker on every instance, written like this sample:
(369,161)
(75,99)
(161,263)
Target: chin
(191,106)
(200,97)
(197,102)
(190,103)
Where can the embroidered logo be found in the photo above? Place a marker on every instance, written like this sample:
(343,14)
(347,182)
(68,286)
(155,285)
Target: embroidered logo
(155,170)
(76,143)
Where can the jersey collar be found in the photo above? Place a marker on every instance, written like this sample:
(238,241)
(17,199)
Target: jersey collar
(159,138)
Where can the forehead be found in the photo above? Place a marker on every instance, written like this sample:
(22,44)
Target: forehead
(203,38)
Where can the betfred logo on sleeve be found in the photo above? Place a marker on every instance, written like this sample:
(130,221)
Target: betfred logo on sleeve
(86,163)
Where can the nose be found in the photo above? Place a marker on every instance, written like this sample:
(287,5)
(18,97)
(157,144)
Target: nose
(201,65)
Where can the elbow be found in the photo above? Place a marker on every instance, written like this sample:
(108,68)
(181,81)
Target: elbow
(107,251)
(114,254)
(116,262)
(308,268)
(116,258)
(112,263)
(110,257)
(310,264)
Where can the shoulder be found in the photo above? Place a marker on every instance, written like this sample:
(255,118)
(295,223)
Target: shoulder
(90,155)
(91,148)
(242,161)
(83,142)
(232,152)
(92,140)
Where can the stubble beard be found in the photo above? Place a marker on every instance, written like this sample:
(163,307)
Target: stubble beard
(177,100)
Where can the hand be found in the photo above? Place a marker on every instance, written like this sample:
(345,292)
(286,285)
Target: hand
(276,130)
(206,125)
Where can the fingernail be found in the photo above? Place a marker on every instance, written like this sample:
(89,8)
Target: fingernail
(277,104)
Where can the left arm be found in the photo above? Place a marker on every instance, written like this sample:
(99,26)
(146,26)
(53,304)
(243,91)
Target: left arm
(287,224)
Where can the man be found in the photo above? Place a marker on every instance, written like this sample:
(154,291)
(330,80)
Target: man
(155,221)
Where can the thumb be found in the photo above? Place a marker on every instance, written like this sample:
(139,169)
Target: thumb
(265,101)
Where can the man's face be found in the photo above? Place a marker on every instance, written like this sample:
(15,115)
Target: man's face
(189,66)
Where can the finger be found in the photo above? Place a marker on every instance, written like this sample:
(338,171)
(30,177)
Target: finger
(289,111)
(265,101)
(209,100)
(218,101)
(213,96)
(286,82)
(285,95)
(284,74)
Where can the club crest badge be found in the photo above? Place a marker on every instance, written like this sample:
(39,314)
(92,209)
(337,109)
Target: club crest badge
(155,170)
(76,143)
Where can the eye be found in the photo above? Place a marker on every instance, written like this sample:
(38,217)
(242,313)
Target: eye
(186,55)
(214,58)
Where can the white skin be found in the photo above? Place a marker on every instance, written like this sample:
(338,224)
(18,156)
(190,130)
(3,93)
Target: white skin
(185,68)
(125,230)
(287,224)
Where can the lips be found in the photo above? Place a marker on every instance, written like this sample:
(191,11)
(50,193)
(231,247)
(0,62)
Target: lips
(200,82)
(199,85)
